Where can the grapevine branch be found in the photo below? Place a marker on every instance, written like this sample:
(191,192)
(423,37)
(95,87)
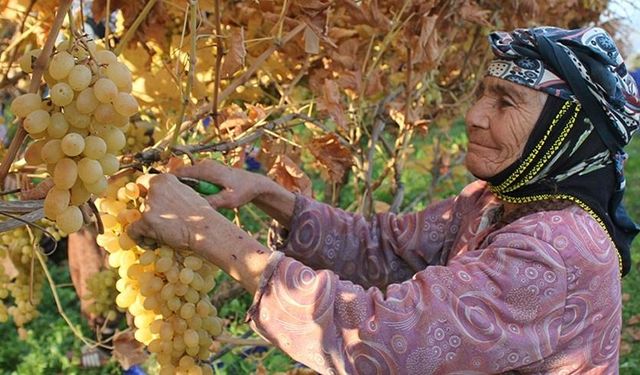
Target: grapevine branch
(219,54)
(186,93)
(205,110)
(38,70)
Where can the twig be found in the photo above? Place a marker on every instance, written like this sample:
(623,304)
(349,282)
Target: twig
(205,110)
(54,293)
(219,53)
(38,70)
(134,27)
(107,24)
(18,221)
(20,38)
(238,341)
(186,94)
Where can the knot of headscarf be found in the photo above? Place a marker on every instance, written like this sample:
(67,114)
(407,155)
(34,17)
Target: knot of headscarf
(575,147)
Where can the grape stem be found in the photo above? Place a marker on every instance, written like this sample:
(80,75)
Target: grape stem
(219,53)
(186,93)
(54,293)
(38,71)
(205,110)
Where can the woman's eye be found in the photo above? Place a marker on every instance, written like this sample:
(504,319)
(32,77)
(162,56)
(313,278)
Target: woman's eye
(505,103)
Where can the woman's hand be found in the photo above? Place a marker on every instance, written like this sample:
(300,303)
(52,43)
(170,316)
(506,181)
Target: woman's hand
(174,215)
(178,217)
(240,187)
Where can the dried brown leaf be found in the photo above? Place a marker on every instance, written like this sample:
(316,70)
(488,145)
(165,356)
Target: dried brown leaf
(633,333)
(289,175)
(633,320)
(330,103)
(127,350)
(236,53)
(625,348)
(85,259)
(472,12)
(333,159)
(311,41)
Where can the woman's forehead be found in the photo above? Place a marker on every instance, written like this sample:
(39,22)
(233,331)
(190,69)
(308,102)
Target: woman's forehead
(503,87)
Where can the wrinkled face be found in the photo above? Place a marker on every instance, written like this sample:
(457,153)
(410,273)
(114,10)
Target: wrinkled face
(499,124)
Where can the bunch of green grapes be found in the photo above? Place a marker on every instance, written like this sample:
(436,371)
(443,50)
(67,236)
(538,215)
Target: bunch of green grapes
(139,136)
(4,289)
(78,128)
(101,287)
(165,290)
(26,288)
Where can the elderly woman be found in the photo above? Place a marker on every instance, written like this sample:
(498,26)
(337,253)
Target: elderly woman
(519,272)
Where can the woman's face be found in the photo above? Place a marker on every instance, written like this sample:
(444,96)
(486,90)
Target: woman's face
(499,124)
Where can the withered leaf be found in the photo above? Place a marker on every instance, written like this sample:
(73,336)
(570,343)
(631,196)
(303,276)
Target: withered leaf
(311,41)
(127,350)
(236,53)
(330,103)
(333,159)
(634,333)
(85,259)
(472,12)
(633,320)
(289,175)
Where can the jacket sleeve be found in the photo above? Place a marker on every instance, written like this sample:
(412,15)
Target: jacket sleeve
(488,311)
(389,248)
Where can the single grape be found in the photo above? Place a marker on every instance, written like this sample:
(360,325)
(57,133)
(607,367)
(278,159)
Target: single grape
(110,164)
(27,60)
(115,139)
(70,220)
(86,102)
(52,152)
(61,94)
(65,173)
(58,126)
(125,104)
(105,113)
(36,121)
(79,77)
(97,187)
(24,104)
(60,65)
(33,153)
(89,170)
(79,193)
(105,90)
(56,201)
(105,57)
(94,147)
(120,75)
(72,144)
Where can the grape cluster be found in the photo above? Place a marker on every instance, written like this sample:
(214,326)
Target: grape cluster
(139,136)
(26,294)
(101,291)
(165,290)
(4,290)
(78,128)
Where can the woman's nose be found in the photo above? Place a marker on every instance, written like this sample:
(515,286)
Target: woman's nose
(478,115)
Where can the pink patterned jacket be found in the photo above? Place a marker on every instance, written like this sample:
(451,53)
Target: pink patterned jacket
(442,291)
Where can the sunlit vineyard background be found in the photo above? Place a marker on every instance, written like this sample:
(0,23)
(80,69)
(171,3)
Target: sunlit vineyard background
(358,103)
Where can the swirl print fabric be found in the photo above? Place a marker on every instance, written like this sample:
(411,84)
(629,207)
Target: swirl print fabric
(441,291)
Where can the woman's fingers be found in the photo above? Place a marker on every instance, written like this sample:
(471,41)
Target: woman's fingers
(224,199)
(207,170)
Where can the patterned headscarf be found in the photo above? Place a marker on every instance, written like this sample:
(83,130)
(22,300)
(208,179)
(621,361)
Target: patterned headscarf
(593,111)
